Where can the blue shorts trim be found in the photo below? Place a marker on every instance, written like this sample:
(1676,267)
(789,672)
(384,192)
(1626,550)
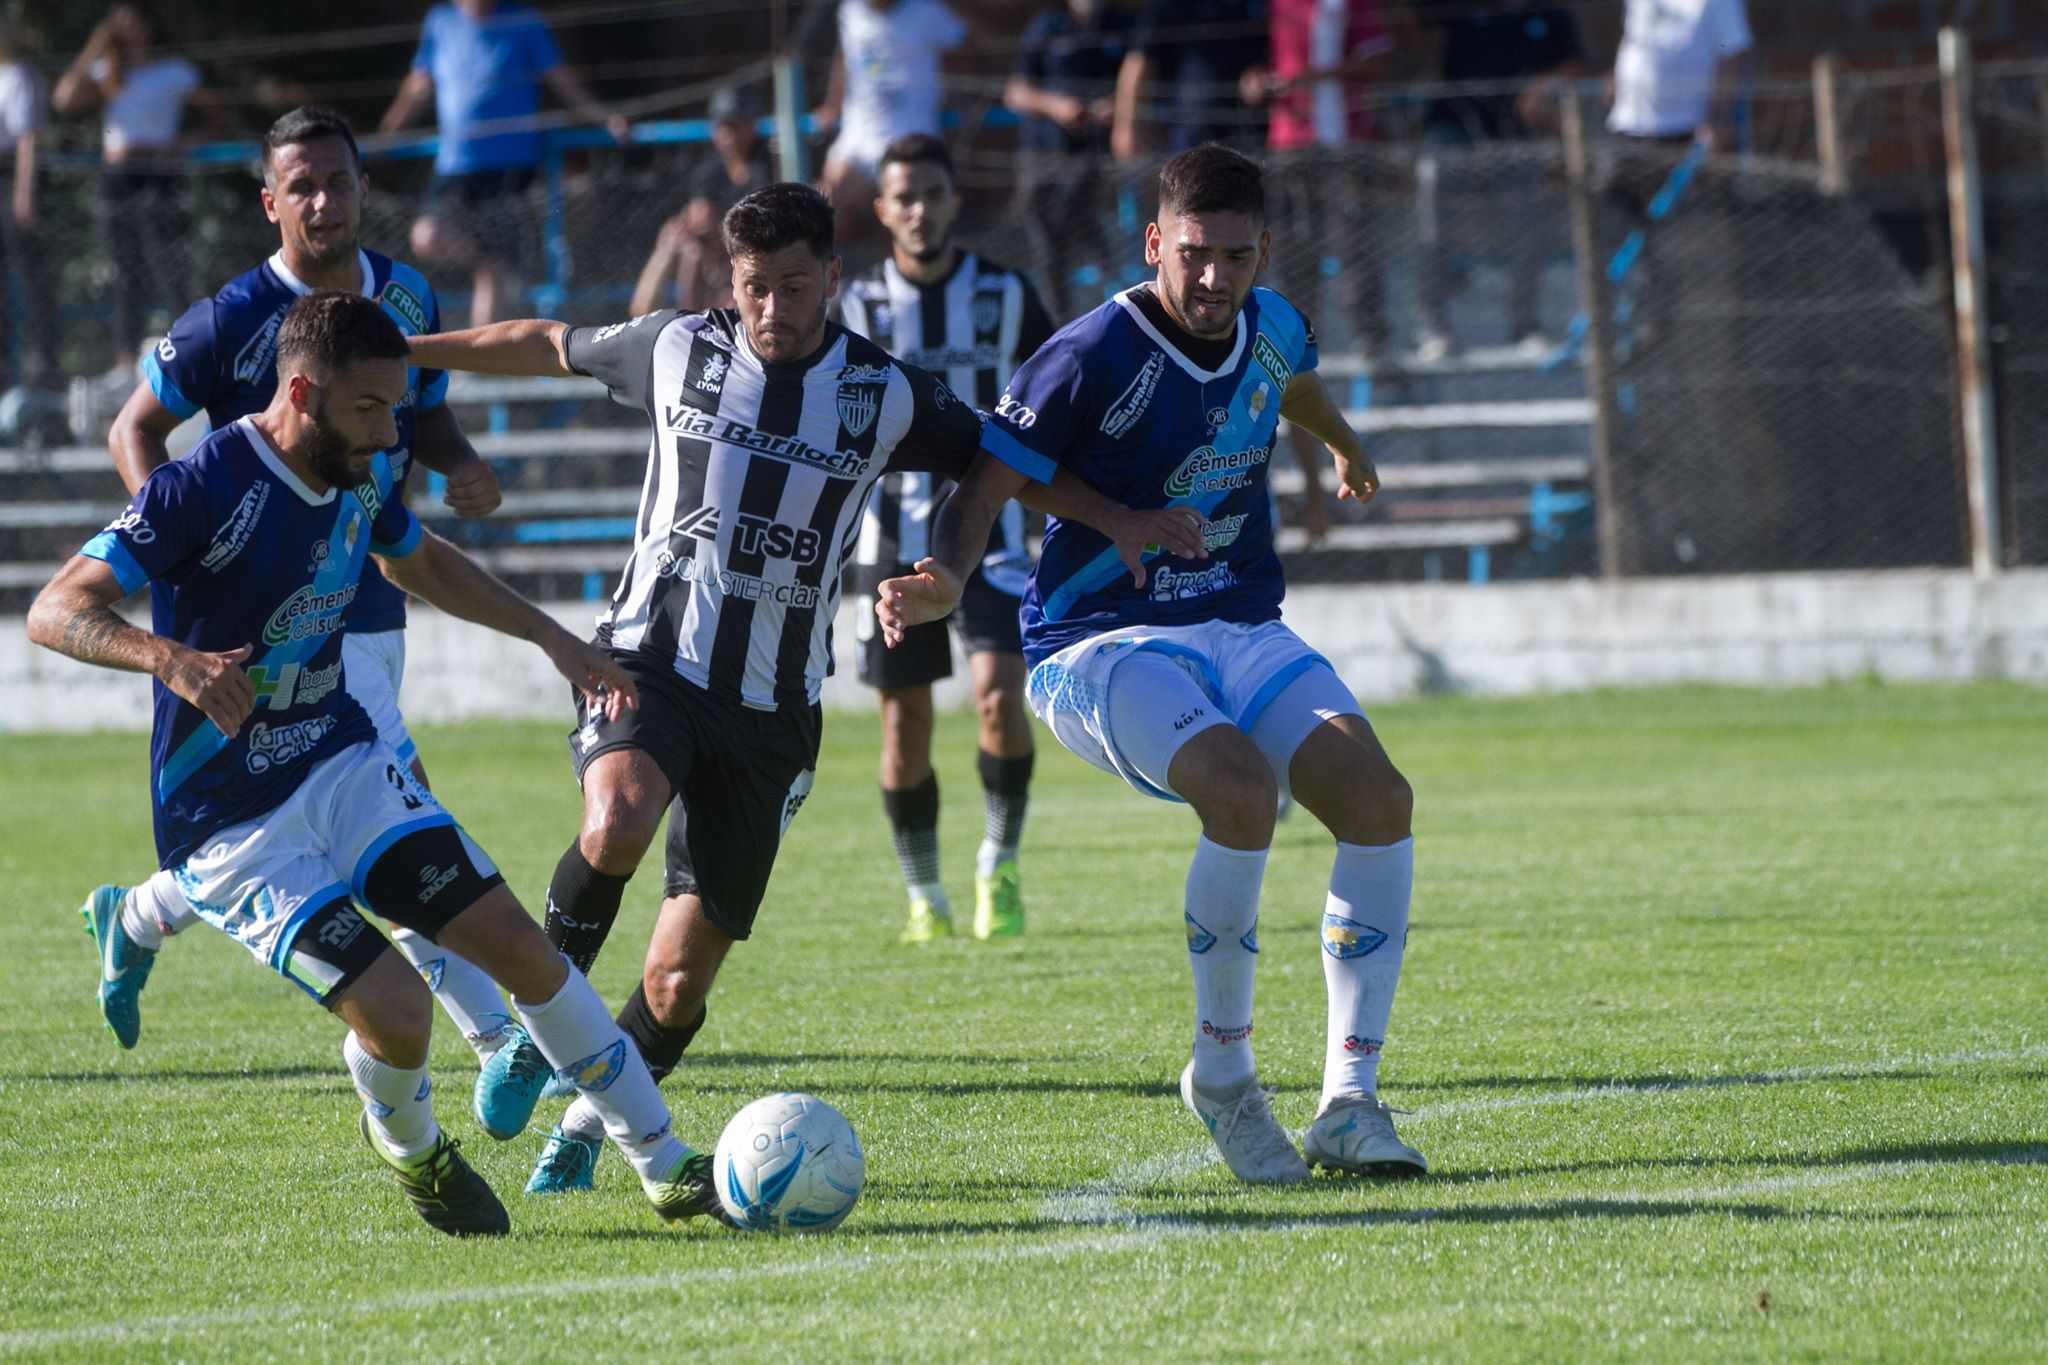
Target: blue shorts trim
(281,954)
(384,841)
(1275,685)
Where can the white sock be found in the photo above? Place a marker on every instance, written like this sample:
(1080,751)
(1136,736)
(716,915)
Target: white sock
(581,1119)
(155,909)
(1223,948)
(575,1032)
(1365,927)
(470,997)
(397,1100)
(991,855)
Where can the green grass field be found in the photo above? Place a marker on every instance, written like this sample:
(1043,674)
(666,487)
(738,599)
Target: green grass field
(1725,1025)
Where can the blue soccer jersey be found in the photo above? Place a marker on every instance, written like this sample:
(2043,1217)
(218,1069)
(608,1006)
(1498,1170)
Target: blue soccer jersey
(222,356)
(1113,400)
(242,552)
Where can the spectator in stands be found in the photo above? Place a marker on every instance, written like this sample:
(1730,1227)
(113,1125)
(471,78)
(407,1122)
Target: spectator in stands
(1317,86)
(1675,74)
(28,341)
(1064,86)
(885,83)
(688,268)
(483,63)
(142,99)
(1517,52)
(1202,48)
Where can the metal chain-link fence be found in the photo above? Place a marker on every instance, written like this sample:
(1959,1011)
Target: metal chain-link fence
(1780,345)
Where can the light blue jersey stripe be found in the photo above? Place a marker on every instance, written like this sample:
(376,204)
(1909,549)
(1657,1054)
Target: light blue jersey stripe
(175,402)
(1018,456)
(108,549)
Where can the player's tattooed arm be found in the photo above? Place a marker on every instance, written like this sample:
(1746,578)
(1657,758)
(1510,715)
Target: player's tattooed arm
(1309,406)
(460,586)
(75,616)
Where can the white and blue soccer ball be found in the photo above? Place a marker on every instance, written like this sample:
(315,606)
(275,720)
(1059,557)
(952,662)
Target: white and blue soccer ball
(789,1163)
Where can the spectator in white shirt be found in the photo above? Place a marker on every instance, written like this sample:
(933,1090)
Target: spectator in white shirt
(885,84)
(142,99)
(1676,69)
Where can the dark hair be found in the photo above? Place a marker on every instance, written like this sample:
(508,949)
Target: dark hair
(307,123)
(778,216)
(1212,179)
(912,148)
(331,329)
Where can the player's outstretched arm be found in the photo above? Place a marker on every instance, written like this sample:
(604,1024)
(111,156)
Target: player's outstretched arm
(530,346)
(441,446)
(1174,530)
(74,615)
(460,586)
(1309,406)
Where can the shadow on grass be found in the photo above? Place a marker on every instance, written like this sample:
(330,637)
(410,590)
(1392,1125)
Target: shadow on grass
(1929,1153)
(252,1073)
(1661,1084)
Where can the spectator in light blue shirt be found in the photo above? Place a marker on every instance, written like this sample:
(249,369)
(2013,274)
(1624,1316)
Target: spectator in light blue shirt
(483,63)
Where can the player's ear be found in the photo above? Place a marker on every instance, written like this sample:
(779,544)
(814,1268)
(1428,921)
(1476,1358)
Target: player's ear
(269,203)
(832,277)
(1265,247)
(1152,240)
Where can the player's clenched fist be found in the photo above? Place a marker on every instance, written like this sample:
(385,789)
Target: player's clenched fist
(927,595)
(473,490)
(214,683)
(1357,478)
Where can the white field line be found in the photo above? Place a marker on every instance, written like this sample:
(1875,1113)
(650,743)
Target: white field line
(1097,1205)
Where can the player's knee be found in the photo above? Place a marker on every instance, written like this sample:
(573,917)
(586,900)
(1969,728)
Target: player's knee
(997,707)
(1236,798)
(1380,810)
(617,832)
(675,992)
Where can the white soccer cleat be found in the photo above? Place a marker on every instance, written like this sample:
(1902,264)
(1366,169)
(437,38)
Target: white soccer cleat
(1240,1121)
(1355,1133)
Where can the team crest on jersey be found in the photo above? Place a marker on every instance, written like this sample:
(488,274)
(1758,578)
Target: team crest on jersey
(1268,356)
(858,406)
(1257,402)
(710,376)
(985,312)
(406,304)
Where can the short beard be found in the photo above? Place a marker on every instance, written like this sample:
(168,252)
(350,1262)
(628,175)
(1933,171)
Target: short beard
(328,452)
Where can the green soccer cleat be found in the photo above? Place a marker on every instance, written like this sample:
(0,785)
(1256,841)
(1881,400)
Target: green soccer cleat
(124,964)
(998,903)
(689,1192)
(927,922)
(567,1165)
(444,1191)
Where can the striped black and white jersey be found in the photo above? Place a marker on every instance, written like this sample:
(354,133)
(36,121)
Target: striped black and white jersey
(973,329)
(756,474)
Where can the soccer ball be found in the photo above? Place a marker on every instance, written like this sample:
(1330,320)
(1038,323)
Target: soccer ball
(789,1163)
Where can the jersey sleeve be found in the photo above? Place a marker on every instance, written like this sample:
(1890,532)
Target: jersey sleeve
(620,356)
(944,431)
(396,532)
(433,384)
(1045,407)
(946,29)
(183,370)
(158,533)
(542,53)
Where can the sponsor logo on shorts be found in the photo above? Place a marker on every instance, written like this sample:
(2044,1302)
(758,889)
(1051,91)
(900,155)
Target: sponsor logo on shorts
(1130,405)
(406,305)
(344,927)
(1200,940)
(235,531)
(1268,356)
(270,745)
(1226,1034)
(1347,938)
(1169,586)
(1209,470)
(1189,717)
(307,613)
(1364,1047)
(434,880)
(597,1071)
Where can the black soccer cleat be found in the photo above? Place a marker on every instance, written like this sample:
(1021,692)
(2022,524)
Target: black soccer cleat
(689,1192)
(444,1191)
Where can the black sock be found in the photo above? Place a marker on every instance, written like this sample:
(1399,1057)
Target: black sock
(661,1047)
(1005,793)
(914,824)
(582,903)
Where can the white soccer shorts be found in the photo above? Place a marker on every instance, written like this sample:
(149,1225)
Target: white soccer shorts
(260,881)
(374,666)
(1127,700)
